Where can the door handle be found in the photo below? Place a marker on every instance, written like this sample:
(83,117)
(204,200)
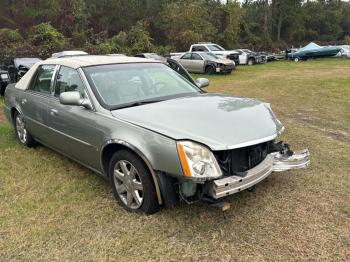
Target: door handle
(53,112)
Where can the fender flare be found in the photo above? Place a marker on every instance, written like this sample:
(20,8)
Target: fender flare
(141,155)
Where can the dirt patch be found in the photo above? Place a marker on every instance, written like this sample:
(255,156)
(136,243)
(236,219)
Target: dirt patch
(306,116)
(337,135)
(318,123)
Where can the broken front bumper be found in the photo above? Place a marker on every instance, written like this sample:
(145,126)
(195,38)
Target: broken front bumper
(273,162)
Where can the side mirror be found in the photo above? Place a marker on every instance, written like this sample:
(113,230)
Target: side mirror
(73,98)
(202,82)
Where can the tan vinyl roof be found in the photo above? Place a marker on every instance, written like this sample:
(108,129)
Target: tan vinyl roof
(80,61)
(91,60)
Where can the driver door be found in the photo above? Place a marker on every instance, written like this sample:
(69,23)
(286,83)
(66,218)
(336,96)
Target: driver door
(75,129)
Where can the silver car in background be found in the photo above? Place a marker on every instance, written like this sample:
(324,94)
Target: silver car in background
(203,62)
(149,129)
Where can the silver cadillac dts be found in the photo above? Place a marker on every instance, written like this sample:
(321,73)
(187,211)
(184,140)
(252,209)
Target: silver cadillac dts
(149,129)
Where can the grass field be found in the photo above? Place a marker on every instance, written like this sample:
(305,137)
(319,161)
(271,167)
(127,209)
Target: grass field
(53,209)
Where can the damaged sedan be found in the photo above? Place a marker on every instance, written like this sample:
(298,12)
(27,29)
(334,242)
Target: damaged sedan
(149,129)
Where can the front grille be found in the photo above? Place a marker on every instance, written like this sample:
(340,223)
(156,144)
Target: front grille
(237,161)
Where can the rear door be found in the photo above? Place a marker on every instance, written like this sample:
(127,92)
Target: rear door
(34,102)
(75,129)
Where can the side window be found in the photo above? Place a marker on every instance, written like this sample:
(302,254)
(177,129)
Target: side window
(196,57)
(186,56)
(68,79)
(199,48)
(42,80)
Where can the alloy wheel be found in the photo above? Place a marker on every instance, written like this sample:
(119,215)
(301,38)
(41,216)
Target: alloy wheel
(128,184)
(21,130)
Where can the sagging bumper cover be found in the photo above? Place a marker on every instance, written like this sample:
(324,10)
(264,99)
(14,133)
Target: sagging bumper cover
(273,162)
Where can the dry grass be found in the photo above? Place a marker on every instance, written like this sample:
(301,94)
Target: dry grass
(54,209)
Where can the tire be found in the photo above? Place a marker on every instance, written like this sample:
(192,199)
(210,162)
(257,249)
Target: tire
(296,59)
(2,90)
(210,70)
(22,134)
(134,192)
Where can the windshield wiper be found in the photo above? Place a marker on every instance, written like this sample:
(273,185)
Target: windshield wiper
(139,103)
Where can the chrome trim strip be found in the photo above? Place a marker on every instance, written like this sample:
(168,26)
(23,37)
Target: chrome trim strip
(61,133)
(68,156)
(254,142)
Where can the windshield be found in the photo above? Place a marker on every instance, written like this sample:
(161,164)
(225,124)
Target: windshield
(215,48)
(122,85)
(209,56)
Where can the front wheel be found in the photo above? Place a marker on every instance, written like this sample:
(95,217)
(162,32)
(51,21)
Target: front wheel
(132,183)
(22,134)
(250,62)
(210,70)
(296,59)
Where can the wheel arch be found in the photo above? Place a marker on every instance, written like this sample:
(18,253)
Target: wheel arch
(15,109)
(112,146)
(209,65)
(252,58)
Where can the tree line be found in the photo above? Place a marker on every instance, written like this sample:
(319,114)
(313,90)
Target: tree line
(41,27)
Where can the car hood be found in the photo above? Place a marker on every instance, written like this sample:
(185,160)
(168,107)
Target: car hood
(218,121)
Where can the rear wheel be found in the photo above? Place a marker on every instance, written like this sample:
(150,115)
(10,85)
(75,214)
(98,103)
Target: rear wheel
(296,59)
(210,70)
(250,62)
(132,183)
(22,134)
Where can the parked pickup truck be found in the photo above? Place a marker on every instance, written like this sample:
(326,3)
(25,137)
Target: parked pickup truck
(212,48)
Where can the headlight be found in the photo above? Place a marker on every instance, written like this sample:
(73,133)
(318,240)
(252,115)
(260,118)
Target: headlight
(198,161)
